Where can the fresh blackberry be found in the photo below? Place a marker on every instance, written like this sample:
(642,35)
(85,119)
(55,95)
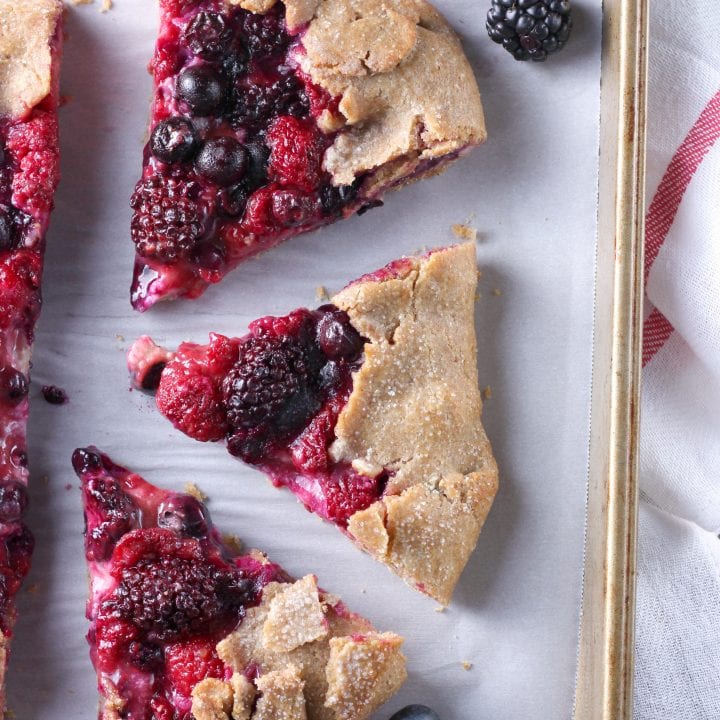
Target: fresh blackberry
(265,34)
(270,386)
(170,219)
(209,35)
(530,29)
(173,598)
(257,104)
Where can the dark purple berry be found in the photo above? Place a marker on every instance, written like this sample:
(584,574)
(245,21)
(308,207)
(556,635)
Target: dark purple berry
(209,35)
(202,88)
(258,104)
(259,154)
(334,199)
(270,386)
(174,140)
(151,379)
(293,207)
(337,338)
(6,231)
(210,257)
(13,501)
(54,395)
(530,29)
(265,34)
(232,200)
(173,598)
(222,160)
(145,656)
(170,218)
(85,460)
(17,385)
(415,712)
(183,514)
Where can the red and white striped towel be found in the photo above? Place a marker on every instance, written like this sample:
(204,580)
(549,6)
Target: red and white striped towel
(677,674)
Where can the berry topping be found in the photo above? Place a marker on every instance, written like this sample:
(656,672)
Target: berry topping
(13,501)
(530,29)
(270,385)
(296,152)
(222,160)
(209,35)
(54,395)
(258,103)
(348,492)
(202,88)
(85,460)
(6,230)
(183,514)
(265,33)
(16,384)
(169,591)
(170,218)
(190,662)
(415,712)
(337,338)
(174,140)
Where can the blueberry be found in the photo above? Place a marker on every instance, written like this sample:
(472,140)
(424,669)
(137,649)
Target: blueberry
(183,514)
(174,140)
(334,199)
(54,395)
(13,501)
(84,460)
(222,160)
(257,169)
(202,88)
(232,200)
(147,656)
(17,385)
(337,338)
(6,231)
(415,712)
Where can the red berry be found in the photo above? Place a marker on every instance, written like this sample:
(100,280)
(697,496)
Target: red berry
(187,663)
(296,155)
(348,492)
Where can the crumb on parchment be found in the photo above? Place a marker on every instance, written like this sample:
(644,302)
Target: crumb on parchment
(106,6)
(487,392)
(82,2)
(440,609)
(466,665)
(464,232)
(321,293)
(195,491)
(497,292)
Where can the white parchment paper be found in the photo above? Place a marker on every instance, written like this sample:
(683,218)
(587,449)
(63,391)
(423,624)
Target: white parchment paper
(530,191)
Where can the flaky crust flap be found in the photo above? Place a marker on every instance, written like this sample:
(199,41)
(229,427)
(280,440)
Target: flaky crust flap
(26,30)
(314,659)
(415,411)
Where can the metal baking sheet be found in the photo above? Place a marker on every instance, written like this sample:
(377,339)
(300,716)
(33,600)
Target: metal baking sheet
(531,192)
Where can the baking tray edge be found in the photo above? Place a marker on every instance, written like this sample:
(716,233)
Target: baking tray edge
(605,663)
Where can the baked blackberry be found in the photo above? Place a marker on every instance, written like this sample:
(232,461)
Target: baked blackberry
(530,29)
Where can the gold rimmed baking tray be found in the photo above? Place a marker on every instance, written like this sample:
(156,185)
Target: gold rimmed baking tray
(605,671)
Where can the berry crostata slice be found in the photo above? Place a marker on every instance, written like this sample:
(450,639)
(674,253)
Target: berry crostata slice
(186,627)
(30,47)
(275,117)
(368,409)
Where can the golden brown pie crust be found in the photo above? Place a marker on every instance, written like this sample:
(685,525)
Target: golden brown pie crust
(26,29)
(408,96)
(334,667)
(415,410)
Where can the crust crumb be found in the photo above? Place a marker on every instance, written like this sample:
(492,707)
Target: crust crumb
(82,2)
(33,588)
(233,542)
(487,392)
(195,491)
(106,6)
(440,609)
(321,293)
(497,292)
(466,665)
(465,232)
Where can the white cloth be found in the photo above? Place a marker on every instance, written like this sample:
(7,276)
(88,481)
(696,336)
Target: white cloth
(677,671)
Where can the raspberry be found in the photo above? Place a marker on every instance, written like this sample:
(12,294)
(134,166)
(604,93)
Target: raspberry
(297,150)
(270,385)
(189,394)
(172,598)
(190,662)
(348,493)
(530,29)
(33,146)
(170,218)
(20,275)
